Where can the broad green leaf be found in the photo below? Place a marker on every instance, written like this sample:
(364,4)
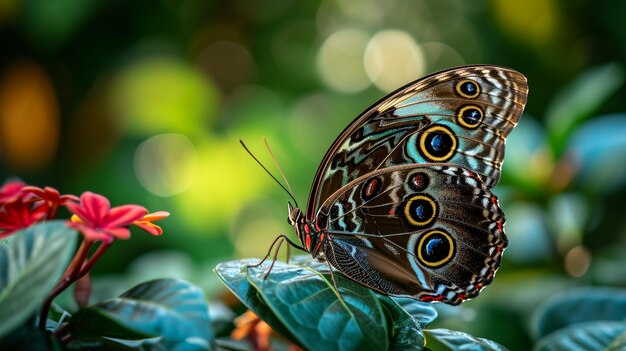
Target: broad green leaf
(29,337)
(172,309)
(300,302)
(406,331)
(580,100)
(307,304)
(233,274)
(618,344)
(446,339)
(422,312)
(591,336)
(31,263)
(579,306)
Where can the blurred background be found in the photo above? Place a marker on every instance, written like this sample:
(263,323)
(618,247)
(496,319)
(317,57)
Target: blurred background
(145,102)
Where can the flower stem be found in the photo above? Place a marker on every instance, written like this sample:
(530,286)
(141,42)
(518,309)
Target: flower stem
(104,246)
(68,278)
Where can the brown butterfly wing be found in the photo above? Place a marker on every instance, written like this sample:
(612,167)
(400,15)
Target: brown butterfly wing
(460,116)
(433,232)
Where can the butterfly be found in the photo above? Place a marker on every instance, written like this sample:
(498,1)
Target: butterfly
(401,202)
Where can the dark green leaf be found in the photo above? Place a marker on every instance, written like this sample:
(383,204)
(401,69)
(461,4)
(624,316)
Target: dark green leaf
(31,263)
(172,309)
(589,336)
(618,344)
(422,312)
(28,337)
(300,302)
(406,332)
(307,304)
(578,306)
(445,339)
(233,274)
(580,100)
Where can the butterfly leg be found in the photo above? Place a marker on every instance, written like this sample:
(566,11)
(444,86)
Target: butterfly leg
(332,277)
(278,241)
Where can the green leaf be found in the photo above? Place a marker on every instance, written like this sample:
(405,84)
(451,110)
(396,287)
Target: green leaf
(307,304)
(580,100)
(233,275)
(578,306)
(169,308)
(29,337)
(31,263)
(300,302)
(600,335)
(422,312)
(446,339)
(406,332)
(618,344)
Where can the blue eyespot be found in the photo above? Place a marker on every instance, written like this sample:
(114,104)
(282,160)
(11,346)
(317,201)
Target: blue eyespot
(468,89)
(437,143)
(435,248)
(440,143)
(469,116)
(420,210)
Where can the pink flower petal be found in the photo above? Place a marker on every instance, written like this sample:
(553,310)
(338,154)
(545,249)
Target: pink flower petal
(96,207)
(11,191)
(52,193)
(89,233)
(68,198)
(125,215)
(119,232)
(37,191)
(78,211)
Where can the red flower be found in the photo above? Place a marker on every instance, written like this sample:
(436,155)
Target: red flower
(11,191)
(49,198)
(146,222)
(98,221)
(18,215)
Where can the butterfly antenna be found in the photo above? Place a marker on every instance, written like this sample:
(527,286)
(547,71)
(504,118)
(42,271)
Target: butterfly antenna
(268,172)
(280,170)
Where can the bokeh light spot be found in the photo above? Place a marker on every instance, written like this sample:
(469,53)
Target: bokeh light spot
(160,95)
(340,62)
(535,21)
(29,118)
(229,63)
(253,238)
(166,164)
(226,179)
(577,261)
(392,59)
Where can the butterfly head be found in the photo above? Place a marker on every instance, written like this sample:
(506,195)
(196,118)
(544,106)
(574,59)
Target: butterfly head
(310,238)
(296,219)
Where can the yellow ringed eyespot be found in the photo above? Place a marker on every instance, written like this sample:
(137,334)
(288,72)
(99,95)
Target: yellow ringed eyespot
(435,248)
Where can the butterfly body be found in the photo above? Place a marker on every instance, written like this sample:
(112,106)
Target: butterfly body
(401,202)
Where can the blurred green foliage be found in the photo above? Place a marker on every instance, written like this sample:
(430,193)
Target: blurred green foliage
(145,102)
